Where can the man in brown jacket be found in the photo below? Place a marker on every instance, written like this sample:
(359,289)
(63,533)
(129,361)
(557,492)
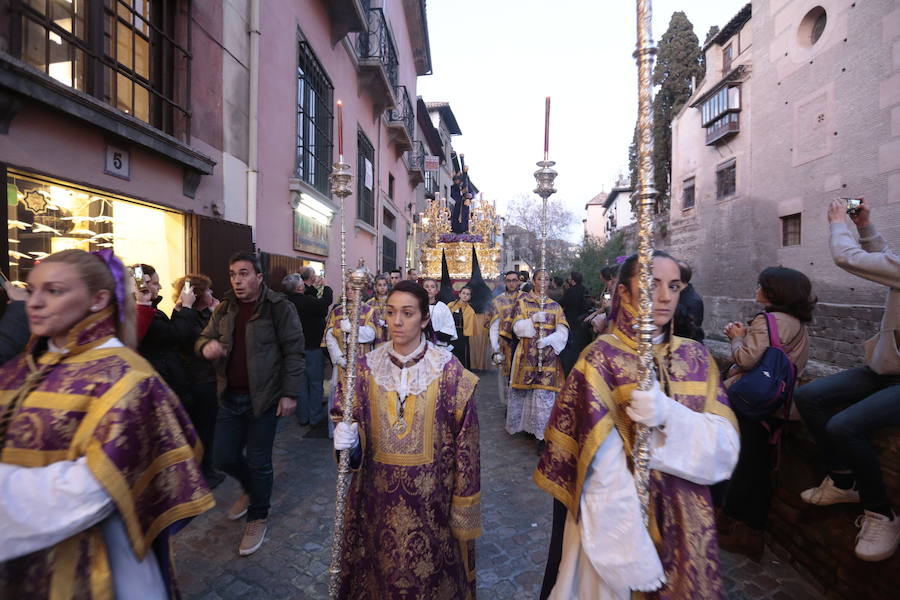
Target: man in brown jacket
(255,341)
(873,392)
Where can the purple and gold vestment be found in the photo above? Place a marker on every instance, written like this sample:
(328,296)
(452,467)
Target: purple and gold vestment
(108,405)
(526,374)
(414,506)
(593,402)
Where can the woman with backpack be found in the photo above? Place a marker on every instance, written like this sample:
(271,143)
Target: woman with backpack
(786,297)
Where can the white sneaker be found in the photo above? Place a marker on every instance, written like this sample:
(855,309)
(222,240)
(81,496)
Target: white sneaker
(878,536)
(828,493)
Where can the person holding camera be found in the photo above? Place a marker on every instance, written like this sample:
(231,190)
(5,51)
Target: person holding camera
(872,391)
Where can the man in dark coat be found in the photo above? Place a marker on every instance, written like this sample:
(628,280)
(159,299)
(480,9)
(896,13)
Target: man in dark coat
(462,196)
(689,312)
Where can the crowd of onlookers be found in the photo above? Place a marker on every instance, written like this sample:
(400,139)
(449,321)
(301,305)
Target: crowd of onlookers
(239,362)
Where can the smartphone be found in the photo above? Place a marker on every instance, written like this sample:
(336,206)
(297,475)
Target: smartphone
(137,272)
(187,286)
(853,205)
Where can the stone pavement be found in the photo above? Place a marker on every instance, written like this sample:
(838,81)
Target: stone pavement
(294,560)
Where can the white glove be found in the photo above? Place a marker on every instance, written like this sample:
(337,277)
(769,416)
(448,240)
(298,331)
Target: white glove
(543,342)
(650,408)
(539,317)
(381,323)
(340,361)
(346,436)
(345,325)
(524,328)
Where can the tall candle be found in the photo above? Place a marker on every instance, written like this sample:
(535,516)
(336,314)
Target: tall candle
(547,128)
(340,111)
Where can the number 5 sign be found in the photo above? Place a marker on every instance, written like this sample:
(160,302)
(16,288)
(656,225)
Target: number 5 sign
(118,162)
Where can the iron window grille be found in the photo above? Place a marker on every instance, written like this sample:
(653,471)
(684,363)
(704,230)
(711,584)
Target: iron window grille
(726,180)
(365,180)
(790,230)
(132,54)
(315,120)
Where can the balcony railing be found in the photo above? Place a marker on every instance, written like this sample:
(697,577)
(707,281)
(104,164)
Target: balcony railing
(401,119)
(415,161)
(728,125)
(377,58)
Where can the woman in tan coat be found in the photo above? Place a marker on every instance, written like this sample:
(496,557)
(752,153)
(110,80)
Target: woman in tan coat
(787,295)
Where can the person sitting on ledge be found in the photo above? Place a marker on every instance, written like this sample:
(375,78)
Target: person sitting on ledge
(872,391)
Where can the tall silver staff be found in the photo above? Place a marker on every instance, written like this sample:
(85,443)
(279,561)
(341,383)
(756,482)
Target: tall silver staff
(341,178)
(646,196)
(545,176)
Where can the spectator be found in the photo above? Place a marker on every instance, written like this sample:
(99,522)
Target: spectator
(411,275)
(200,398)
(313,310)
(787,294)
(378,302)
(14,331)
(256,342)
(689,312)
(873,390)
(573,300)
(556,290)
(159,337)
(395,277)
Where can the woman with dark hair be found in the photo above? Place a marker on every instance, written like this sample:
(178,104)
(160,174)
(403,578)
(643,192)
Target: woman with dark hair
(600,547)
(98,460)
(413,510)
(378,302)
(787,295)
(464,319)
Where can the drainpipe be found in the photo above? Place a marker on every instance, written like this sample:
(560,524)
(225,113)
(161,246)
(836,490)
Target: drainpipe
(253,150)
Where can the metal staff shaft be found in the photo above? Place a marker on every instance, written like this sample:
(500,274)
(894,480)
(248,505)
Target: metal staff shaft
(344,474)
(646,196)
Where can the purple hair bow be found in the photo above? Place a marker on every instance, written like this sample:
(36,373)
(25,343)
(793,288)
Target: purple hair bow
(118,272)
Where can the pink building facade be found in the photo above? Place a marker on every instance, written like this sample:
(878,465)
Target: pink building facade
(311,54)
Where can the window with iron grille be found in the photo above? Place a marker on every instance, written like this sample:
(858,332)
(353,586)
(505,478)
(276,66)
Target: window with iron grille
(314,120)
(687,194)
(388,254)
(726,180)
(365,180)
(131,54)
(790,230)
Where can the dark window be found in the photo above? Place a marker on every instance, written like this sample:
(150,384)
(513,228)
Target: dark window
(726,180)
(388,254)
(388,218)
(365,180)
(790,230)
(727,57)
(687,194)
(314,120)
(131,54)
(390,186)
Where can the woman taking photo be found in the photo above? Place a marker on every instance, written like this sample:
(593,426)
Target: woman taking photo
(605,549)
(413,510)
(787,295)
(89,505)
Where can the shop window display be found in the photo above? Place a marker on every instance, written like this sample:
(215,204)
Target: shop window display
(44,217)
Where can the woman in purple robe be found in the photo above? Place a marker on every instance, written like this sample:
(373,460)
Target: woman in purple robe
(99,462)
(414,506)
(601,548)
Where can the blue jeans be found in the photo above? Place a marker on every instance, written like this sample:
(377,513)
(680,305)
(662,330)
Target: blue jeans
(309,403)
(236,431)
(841,411)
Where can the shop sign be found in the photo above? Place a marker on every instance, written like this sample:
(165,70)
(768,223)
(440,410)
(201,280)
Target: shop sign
(118,162)
(432,163)
(310,231)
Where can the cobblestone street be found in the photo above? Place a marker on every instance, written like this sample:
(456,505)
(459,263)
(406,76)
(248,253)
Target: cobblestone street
(293,562)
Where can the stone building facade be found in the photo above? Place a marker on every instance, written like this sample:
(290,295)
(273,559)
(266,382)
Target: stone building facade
(800,105)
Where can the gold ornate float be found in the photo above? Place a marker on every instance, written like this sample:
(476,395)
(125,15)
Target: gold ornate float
(436,239)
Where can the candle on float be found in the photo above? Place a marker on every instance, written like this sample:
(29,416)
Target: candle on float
(547,128)
(340,112)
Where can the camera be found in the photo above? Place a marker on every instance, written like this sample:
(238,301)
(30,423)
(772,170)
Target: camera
(853,205)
